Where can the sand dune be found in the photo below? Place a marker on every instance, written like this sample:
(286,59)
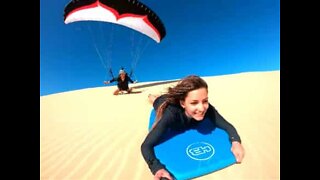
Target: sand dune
(92,134)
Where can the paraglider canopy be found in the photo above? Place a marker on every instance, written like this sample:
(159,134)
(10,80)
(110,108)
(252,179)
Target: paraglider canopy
(129,13)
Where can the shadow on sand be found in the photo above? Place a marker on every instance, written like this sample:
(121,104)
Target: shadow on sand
(154,84)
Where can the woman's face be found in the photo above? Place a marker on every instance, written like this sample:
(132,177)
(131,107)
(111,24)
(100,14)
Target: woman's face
(122,75)
(196,103)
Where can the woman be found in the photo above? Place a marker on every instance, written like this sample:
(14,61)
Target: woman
(181,108)
(123,82)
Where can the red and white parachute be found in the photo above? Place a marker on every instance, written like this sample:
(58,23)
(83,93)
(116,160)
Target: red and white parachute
(129,13)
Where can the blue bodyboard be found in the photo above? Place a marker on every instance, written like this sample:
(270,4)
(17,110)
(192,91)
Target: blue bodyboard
(195,152)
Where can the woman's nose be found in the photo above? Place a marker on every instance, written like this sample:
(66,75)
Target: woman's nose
(201,107)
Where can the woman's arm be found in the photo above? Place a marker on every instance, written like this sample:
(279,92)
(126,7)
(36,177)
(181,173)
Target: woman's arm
(152,139)
(236,146)
(129,79)
(222,123)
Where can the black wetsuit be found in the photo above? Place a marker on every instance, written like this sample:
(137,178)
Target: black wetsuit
(175,118)
(122,85)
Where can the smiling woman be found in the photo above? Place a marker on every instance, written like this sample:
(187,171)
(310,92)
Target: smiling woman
(186,107)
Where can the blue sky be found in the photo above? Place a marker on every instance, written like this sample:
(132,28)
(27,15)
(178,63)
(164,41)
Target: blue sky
(203,37)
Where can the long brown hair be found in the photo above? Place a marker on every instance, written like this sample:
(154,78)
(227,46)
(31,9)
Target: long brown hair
(179,92)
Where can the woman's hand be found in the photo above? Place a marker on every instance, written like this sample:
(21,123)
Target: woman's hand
(162,173)
(106,82)
(238,151)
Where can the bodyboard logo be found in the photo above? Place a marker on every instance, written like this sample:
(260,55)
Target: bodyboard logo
(200,151)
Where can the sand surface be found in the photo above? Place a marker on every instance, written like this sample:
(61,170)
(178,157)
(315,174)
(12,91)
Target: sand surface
(92,134)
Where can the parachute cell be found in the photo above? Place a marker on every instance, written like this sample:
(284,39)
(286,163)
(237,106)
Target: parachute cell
(129,13)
